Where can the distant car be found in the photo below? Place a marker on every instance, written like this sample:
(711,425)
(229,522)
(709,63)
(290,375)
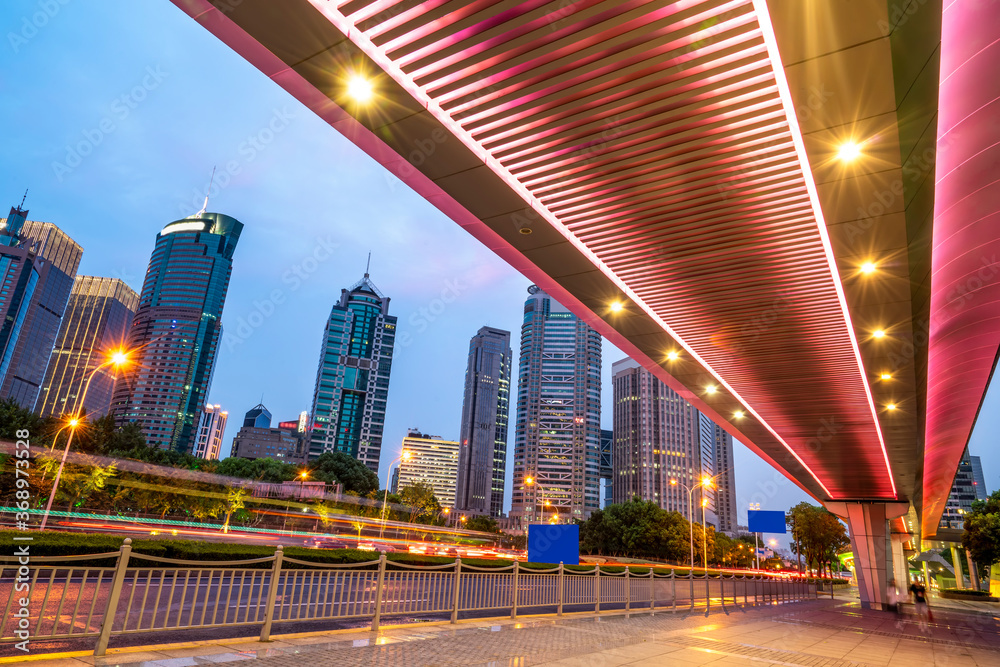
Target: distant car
(448,551)
(388,548)
(325,542)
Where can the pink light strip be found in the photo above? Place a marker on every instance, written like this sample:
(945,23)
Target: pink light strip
(378,55)
(784,92)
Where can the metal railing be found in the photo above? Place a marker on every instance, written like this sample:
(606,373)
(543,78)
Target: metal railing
(65,601)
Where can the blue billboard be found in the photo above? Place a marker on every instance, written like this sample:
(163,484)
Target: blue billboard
(764,521)
(554,544)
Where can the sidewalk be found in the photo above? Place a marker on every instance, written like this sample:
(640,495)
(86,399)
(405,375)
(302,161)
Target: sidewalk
(821,633)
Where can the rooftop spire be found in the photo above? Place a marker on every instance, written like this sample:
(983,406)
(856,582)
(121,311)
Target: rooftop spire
(369,264)
(204,206)
(21,207)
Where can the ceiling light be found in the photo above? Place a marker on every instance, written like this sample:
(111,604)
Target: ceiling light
(710,389)
(878,333)
(891,406)
(738,414)
(868,267)
(673,355)
(849,151)
(885,376)
(617,307)
(360,88)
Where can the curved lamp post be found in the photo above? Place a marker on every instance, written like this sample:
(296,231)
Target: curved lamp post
(116,359)
(403,456)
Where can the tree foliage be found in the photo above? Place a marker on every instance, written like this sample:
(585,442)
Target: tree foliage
(483,523)
(817,534)
(338,467)
(982,530)
(641,529)
(423,504)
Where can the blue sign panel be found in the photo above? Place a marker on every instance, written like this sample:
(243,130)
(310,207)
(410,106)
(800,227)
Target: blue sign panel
(763,521)
(554,543)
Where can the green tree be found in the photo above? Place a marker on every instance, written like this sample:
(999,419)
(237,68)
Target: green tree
(234,502)
(338,467)
(422,503)
(14,418)
(820,535)
(483,523)
(982,531)
(637,529)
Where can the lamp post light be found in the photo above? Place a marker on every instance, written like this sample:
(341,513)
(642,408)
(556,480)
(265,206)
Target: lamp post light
(446,511)
(705,481)
(755,507)
(116,359)
(403,456)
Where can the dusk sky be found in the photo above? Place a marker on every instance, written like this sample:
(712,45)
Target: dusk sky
(115,113)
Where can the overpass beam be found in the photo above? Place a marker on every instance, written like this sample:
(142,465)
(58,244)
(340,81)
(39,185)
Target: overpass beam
(872,544)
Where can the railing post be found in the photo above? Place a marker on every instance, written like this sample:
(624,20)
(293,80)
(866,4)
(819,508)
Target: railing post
(628,590)
(457,583)
(708,592)
(116,589)
(562,588)
(516,577)
(691,585)
(379,586)
(597,588)
(652,588)
(673,590)
(272,592)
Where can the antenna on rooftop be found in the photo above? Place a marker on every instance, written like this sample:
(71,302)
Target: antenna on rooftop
(204,206)
(21,207)
(368,265)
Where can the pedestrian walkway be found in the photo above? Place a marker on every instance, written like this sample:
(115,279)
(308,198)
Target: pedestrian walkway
(821,633)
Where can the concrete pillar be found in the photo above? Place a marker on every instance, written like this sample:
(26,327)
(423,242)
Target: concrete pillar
(900,569)
(868,524)
(927,576)
(973,573)
(956,564)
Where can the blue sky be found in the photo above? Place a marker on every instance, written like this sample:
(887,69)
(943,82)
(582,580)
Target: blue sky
(115,113)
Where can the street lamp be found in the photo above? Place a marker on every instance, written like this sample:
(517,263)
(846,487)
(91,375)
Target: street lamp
(116,359)
(705,481)
(447,511)
(403,456)
(704,532)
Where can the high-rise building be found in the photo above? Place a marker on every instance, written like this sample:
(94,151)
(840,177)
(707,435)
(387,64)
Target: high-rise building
(657,437)
(982,493)
(211,426)
(38,262)
(557,442)
(176,330)
(963,494)
(352,381)
(724,487)
(482,458)
(97,320)
(258,416)
(607,467)
(432,461)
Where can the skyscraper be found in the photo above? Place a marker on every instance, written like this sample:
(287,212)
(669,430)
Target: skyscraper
(982,493)
(258,416)
(176,330)
(724,488)
(37,269)
(257,440)
(352,381)
(963,494)
(98,318)
(657,437)
(432,461)
(558,428)
(482,458)
(211,426)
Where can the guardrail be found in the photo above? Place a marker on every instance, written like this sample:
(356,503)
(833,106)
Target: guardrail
(68,601)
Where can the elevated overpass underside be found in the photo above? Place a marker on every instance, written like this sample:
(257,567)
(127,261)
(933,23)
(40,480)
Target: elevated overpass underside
(681,176)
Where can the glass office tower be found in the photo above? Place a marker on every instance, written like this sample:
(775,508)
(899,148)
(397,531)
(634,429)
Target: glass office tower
(176,330)
(352,381)
(482,459)
(38,265)
(558,429)
(97,320)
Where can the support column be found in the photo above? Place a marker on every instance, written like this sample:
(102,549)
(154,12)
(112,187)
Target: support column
(956,564)
(900,568)
(973,573)
(868,524)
